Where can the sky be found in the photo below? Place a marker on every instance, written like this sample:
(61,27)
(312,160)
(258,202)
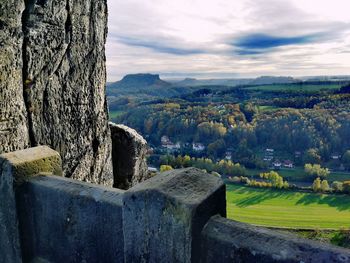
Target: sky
(228,38)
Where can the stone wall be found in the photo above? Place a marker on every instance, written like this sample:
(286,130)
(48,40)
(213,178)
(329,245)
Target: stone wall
(177,216)
(229,241)
(52,83)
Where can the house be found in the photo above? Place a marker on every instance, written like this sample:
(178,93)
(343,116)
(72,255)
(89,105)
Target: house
(152,169)
(268,158)
(172,146)
(228,155)
(335,156)
(198,147)
(297,154)
(288,164)
(269,151)
(268,155)
(165,140)
(277,164)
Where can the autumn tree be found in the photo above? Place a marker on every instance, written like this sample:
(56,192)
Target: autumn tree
(316,186)
(324,186)
(346,187)
(275,179)
(337,186)
(312,156)
(164,168)
(316,170)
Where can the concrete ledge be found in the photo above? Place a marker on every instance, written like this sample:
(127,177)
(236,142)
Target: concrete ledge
(163,217)
(230,241)
(63,220)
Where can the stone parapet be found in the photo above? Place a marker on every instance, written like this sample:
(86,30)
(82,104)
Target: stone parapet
(15,169)
(163,216)
(225,240)
(177,216)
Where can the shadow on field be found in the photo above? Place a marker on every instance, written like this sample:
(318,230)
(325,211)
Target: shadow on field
(256,196)
(260,196)
(341,202)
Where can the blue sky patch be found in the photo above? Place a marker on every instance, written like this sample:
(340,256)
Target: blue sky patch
(263,41)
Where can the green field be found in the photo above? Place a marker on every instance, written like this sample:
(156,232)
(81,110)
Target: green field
(296,87)
(287,209)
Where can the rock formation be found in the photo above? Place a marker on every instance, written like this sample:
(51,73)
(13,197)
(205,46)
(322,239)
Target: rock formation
(13,116)
(129,152)
(52,82)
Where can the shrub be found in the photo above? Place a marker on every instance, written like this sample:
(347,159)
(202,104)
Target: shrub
(316,170)
(325,186)
(164,168)
(316,186)
(337,186)
(346,187)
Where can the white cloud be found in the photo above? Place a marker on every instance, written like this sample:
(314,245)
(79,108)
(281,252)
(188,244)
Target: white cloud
(197,37)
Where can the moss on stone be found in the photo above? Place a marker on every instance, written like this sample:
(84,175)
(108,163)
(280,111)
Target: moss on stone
(25,170)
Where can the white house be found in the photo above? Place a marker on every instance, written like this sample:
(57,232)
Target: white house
(198,147)
(336,156)
(277,164)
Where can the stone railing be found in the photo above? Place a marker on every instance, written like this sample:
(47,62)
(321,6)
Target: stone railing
(178,216)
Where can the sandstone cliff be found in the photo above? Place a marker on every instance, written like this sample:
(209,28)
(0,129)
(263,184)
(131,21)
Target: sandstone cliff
(52,82)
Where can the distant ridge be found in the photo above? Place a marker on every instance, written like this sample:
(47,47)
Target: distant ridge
(263,80)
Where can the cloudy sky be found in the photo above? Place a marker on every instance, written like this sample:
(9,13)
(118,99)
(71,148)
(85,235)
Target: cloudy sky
(228,38)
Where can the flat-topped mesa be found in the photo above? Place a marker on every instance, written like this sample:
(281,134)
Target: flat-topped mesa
(52,83)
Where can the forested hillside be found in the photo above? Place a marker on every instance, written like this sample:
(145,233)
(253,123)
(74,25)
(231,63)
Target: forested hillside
(310,121)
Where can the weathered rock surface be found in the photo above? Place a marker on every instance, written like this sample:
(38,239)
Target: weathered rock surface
(60,77)
(224,240)
(163,216)
(129,152)
(13,124)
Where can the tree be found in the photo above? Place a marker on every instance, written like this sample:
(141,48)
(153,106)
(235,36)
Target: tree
(346,187)
(346,159)
(324,186)
(316,186)
(187,161)
(312,156)
(217,148)
(337,186)
(316,170)
(275,179)
(164,168)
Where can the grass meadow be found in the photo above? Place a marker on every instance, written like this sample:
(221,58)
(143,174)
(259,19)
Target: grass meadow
(287,209)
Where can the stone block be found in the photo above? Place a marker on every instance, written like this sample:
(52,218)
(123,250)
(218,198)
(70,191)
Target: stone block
(225,240)
(129,150)
(64,220)
(15,168)
(163,216)
(32,161)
